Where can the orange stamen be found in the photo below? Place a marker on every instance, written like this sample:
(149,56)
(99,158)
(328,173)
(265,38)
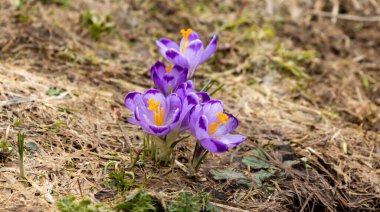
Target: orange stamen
(158,116)
(167,69)
(185,35)
(222,118)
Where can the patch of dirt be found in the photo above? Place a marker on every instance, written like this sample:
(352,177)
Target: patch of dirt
(320,132)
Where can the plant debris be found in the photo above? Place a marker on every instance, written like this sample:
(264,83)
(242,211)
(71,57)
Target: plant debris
(301,76)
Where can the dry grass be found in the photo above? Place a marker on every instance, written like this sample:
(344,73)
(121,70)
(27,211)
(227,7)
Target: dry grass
(327,121)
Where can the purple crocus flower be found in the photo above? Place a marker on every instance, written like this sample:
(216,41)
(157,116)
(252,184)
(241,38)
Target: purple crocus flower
(188,87)
(155,113)
(211,126)
(190,53)
(189,99)
(167,79)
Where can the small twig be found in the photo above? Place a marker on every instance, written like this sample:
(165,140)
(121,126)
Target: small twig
(335,11)
(305,204)
(180,165)
(108,157)
(230,208)
(137,158)
(126,138)
(349,17)
(19,100)
(80,188)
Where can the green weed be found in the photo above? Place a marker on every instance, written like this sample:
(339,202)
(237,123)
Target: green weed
(138,202)
(186,202)
(61,3)
(292,61)
(5,148)
(69,205)
(121,180)
(96,25)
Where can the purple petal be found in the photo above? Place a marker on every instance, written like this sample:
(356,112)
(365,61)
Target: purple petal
(156,95)
(189,102)
(184,88)
(157,73)
(195,113)
(201,128)
(193,53)
(169,43)
(232,140)
(193,36)
(179,75)
(165,44)
(213,145)
(211,108)
(202,123)
(210,49)
(231,124)
(189,86)
(168,78)
(133,121)
(173,109)
(191,99)
(175,57)
(131,99)
(204,97)
(159,130)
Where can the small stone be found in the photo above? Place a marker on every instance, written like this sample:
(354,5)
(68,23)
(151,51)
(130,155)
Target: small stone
(31,147)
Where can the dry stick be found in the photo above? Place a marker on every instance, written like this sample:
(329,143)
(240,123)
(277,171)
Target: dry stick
(307,201)
(126,138)
(335,11)
(348,17)
(230,208)
(32,98)
(80,188)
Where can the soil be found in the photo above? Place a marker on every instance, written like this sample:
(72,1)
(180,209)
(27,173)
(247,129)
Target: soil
(303,81)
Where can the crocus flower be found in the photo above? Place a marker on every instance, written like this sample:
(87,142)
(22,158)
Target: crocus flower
(155,113)
(188,87)
(211,126)
(189,99)
(190,53)
(167,79)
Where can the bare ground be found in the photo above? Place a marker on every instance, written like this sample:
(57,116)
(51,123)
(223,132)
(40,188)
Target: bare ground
(305,89)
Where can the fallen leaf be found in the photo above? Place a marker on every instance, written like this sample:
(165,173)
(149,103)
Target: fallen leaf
(225,174)
(255,163)
(262,175)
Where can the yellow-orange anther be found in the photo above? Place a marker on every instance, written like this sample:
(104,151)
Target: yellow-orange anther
(222,118)
(158,115)
(167,69)
(185,35)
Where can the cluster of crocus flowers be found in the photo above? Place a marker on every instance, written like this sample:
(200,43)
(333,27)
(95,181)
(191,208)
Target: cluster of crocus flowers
(175,107)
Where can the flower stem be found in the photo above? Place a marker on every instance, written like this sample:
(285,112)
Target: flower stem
(199,155)
(163,152)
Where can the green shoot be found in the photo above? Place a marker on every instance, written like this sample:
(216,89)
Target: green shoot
(217,89)
(96,25)
(207,86)
(117,179)
(5,148)
(20,144)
